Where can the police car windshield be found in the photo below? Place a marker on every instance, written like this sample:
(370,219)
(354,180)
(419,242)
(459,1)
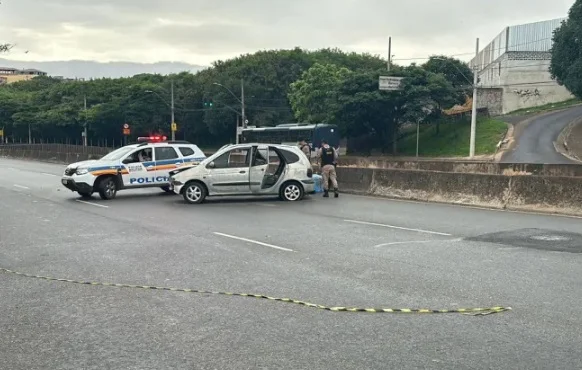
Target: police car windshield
(116,154)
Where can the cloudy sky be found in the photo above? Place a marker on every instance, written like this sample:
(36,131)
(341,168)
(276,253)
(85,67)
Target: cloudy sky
(201,31)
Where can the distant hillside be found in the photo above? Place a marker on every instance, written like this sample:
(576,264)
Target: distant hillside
(91,69)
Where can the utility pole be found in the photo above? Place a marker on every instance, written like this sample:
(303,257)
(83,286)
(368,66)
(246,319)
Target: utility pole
(85,123)
(237,125)
(242,102)
(389,52)
(172,125)
(474,110)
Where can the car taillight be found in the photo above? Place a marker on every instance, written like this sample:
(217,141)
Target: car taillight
(310,173)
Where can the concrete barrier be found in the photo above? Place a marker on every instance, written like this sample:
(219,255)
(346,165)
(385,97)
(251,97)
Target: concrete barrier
(529,193)
(566,170)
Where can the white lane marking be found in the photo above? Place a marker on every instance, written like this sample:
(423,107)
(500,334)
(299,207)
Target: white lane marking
(253,241)
(417,242)
(21,187)
(396,243)
(398,227)
(49,174)
(91,204)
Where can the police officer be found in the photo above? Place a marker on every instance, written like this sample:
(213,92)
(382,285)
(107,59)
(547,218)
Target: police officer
(328,157)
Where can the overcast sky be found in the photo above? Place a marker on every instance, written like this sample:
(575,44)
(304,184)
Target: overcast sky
(201,31)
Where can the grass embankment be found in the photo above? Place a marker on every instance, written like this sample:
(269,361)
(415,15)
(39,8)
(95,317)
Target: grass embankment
(453,139)
(546,107)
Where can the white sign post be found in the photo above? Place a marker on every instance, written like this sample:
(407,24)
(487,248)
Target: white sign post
(389,83)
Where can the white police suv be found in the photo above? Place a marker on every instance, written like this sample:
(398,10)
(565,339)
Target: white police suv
(136,166)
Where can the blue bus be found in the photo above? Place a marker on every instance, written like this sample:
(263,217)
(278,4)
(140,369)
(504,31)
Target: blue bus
(293,133)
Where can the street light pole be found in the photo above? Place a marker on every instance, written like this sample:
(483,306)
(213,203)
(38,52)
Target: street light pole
(85,123)
(172,123)
(474,107)
(242,103)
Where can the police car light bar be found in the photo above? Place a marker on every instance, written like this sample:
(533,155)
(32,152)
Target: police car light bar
(151,139)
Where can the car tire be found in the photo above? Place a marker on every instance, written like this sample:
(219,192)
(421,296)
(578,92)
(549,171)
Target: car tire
(291,191)
(84,194)
(194,192)
(107,188)
(167,189)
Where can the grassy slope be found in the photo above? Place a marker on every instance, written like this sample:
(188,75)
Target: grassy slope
(453,140)
(546,107)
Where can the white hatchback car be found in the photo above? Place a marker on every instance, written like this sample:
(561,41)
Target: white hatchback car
(247,169)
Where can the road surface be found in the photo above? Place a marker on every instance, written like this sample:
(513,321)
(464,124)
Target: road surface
(535,141)
(375,253)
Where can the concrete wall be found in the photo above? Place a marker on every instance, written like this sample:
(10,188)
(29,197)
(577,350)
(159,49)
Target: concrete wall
(565,170)
(532,193)
(524,81)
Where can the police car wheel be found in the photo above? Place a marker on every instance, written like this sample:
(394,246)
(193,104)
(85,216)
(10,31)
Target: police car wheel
(291,192)
(194,193)
(107,188)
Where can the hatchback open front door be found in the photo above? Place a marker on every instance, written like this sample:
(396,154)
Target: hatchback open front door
(259,167)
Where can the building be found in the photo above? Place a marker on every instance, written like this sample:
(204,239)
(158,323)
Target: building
(10,75)
(513,69)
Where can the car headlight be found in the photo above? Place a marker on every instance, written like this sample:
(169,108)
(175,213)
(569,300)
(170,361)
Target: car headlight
(81,171)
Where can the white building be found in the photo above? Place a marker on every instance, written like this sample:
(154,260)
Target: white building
(513,69)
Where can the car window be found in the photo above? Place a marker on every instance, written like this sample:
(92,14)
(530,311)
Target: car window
(289,156)
(165,153)
(186,151)
(274,162)
(234,158)
(261,156)
(117,154)
(139,156)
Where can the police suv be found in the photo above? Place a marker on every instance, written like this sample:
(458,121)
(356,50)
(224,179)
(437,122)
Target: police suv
(136,166)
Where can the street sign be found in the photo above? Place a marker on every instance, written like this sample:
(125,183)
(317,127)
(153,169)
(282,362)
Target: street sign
(126,131)
(390,83)
(125,126)
(174,126)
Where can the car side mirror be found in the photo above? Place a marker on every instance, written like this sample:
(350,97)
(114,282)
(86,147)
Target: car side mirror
(211,165)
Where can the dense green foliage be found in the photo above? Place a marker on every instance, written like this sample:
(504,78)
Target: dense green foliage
(566,63)
(280,86)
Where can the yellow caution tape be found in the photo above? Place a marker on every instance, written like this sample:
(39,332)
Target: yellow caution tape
(473,311)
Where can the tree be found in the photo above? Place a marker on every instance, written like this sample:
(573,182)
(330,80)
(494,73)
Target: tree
(5,48)
(352,100)
(458,74)
(313,97)
(566,62)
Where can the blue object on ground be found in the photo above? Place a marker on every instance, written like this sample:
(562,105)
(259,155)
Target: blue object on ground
(318,183)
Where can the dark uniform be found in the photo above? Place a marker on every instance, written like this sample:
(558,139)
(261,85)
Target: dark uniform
(328,157)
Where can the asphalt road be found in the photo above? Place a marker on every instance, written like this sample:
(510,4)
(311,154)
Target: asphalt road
(351,251)
(535,141)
